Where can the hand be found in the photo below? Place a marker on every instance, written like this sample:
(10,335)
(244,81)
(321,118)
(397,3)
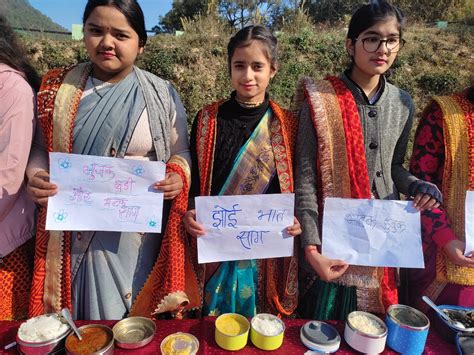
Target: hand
(171,185)
(426,195)
(455,251)
(424,201)
(295,229)
(192,227)
(327,269)
(40,189)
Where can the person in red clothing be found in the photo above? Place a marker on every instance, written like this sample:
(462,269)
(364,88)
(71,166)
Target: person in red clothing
(443,154)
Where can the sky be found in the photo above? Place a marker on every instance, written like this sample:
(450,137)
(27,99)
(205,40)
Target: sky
(67,12)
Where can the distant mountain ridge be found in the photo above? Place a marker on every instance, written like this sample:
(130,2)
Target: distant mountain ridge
(20,13)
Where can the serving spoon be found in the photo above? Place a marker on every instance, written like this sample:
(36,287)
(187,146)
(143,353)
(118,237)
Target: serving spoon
(443,315)
(67,316)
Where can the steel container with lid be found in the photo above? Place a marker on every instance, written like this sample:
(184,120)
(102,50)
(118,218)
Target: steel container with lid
(364,339)
(407,329)
(320,336)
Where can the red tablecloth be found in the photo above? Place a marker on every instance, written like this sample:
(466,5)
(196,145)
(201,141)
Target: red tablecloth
(204,331)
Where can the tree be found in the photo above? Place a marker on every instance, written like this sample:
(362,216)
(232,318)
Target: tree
(427,10)
(180,9)
(237,13)
(244,12)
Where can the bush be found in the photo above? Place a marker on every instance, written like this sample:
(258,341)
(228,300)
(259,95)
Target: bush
(439,83)
(432,62)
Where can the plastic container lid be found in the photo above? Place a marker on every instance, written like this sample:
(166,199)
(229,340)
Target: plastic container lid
(320,336)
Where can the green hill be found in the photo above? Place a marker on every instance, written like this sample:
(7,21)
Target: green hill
(21,14)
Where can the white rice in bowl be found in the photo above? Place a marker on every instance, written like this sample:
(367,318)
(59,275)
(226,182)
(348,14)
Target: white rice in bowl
(366,324)
(43,328)
(267,325)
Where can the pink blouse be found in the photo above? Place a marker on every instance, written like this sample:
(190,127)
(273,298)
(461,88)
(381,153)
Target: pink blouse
(17,125)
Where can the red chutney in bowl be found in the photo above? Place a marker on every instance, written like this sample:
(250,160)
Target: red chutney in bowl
(93,339)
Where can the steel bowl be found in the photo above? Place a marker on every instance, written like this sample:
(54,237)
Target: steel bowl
(107,349)
(53,345)
(134,332)
(179,343)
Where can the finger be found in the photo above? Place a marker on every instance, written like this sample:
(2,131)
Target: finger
(338,262)
(168,186)
(339,269)
(193,224)
(423,200)
(417,199)
(38,193)
(295,232)
(469,262)
(42,184)
(169,178)
(431,204)
(428,205)
(196,232)
(171,195)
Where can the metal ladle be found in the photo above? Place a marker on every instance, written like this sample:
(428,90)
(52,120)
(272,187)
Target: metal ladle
(443,315)
(67,316)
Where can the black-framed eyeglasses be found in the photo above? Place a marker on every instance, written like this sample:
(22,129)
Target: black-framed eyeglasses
(371,44)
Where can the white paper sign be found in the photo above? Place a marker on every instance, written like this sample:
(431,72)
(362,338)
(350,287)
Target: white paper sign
(104,194)
(372,232)
(244,227)
(469,223)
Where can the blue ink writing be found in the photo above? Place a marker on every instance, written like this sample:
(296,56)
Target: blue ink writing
(392,226)
(271,215)
(250,238)
(225,217)
(388,226)
(360,220)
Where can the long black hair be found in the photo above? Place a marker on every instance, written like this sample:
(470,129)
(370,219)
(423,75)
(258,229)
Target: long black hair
(129,8)
(251,33)
(13,54)
(368,15)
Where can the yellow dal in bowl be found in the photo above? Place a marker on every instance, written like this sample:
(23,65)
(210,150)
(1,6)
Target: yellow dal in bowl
(231,326)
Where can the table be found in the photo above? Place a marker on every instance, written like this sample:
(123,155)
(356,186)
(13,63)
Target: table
(203,329)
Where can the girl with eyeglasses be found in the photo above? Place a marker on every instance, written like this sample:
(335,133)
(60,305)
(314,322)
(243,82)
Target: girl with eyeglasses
(351,143)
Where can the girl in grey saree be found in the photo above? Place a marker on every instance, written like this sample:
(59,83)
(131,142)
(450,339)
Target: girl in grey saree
(108,107)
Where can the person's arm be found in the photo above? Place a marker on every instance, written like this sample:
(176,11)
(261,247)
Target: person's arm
(306,200)
(305,179)
(179,143)
(17,122)
(400,176)
(172,184)
(426,195)
(427,163)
